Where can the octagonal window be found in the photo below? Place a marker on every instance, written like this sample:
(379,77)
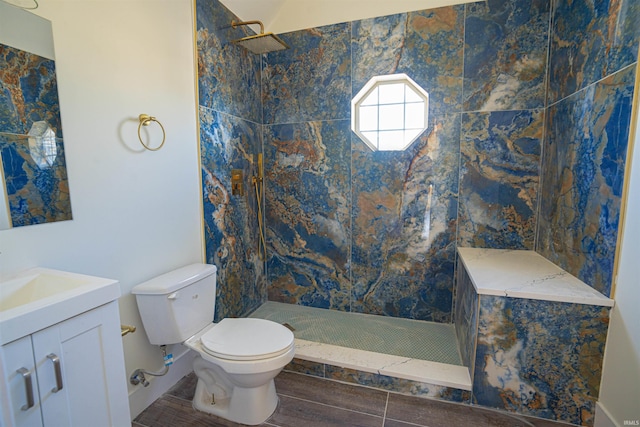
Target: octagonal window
(390,112)
(42,144)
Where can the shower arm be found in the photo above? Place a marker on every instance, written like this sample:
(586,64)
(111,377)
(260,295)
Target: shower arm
(235,24)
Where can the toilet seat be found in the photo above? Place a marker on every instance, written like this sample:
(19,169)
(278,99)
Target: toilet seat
(247,339)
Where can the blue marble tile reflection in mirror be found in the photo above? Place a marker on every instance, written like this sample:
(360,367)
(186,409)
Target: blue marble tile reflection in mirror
(35,185)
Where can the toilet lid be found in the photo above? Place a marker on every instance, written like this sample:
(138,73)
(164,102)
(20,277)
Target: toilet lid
(247,339)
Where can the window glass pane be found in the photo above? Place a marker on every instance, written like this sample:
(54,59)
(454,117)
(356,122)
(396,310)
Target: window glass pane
(390,113)
(391,140)
(392,94)
(372,137)
(368,118)
(410,134)
(391,117)
(371,99)
(412,95)
(414,116)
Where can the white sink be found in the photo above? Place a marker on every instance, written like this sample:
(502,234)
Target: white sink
(41,297)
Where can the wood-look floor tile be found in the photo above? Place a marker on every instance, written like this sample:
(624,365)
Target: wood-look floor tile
(185,388)
(332,393)
(395,423)
(434,413)
(292,412)
(169,411)
(539,422)
(313,402)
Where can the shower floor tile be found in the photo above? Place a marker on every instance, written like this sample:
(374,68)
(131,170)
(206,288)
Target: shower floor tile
(424,353)
(413,339)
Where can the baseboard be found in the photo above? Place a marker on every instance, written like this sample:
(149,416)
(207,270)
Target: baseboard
(603,417)
(141,397)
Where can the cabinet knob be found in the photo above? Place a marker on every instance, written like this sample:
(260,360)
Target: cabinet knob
(28,384)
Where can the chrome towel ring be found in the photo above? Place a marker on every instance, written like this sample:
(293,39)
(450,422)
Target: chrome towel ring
(145,120)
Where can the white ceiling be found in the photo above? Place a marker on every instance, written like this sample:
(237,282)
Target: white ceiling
(281,16)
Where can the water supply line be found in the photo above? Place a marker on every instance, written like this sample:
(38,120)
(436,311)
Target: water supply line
(258,182)
(138,376)
(127,329)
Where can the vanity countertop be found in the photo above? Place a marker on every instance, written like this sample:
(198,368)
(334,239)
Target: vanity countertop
(525,274)
(40,297)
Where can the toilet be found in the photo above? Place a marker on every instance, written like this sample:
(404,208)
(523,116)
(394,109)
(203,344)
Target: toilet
(237,358)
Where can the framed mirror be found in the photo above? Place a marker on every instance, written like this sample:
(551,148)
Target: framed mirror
(35,187)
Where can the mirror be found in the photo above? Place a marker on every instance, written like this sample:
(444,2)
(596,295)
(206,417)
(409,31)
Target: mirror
(33,172)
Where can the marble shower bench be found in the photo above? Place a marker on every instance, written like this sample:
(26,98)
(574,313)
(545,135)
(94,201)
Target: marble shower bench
(531,334)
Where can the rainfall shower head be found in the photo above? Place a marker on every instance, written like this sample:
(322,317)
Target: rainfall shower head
(259,43)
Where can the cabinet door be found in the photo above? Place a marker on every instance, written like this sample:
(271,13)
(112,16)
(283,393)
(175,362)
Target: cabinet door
(91,387)
(16,371)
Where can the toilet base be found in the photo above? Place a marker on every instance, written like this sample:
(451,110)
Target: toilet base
(250,406)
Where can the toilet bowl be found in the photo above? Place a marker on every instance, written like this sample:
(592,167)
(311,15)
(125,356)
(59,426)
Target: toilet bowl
(236,364)
(237,358)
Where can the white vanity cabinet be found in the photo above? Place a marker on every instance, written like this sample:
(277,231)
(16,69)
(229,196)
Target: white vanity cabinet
(68,374)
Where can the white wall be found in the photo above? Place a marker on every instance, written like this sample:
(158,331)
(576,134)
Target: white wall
(136,213)
(620,388)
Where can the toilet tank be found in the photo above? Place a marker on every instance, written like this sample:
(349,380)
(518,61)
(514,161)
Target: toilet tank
(177,304)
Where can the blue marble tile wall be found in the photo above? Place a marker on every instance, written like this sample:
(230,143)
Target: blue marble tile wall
(530,363)
(228,75)
(37,187)
(375,232)
(307,170)
(405,202)
(230,138)
(505,65)
(594,50)
(37,191)
(466,316)
(499,178)
(29,91)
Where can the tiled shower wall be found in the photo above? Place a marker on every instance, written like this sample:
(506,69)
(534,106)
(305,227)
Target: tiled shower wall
(594,54)
(230,137)
(375,232)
